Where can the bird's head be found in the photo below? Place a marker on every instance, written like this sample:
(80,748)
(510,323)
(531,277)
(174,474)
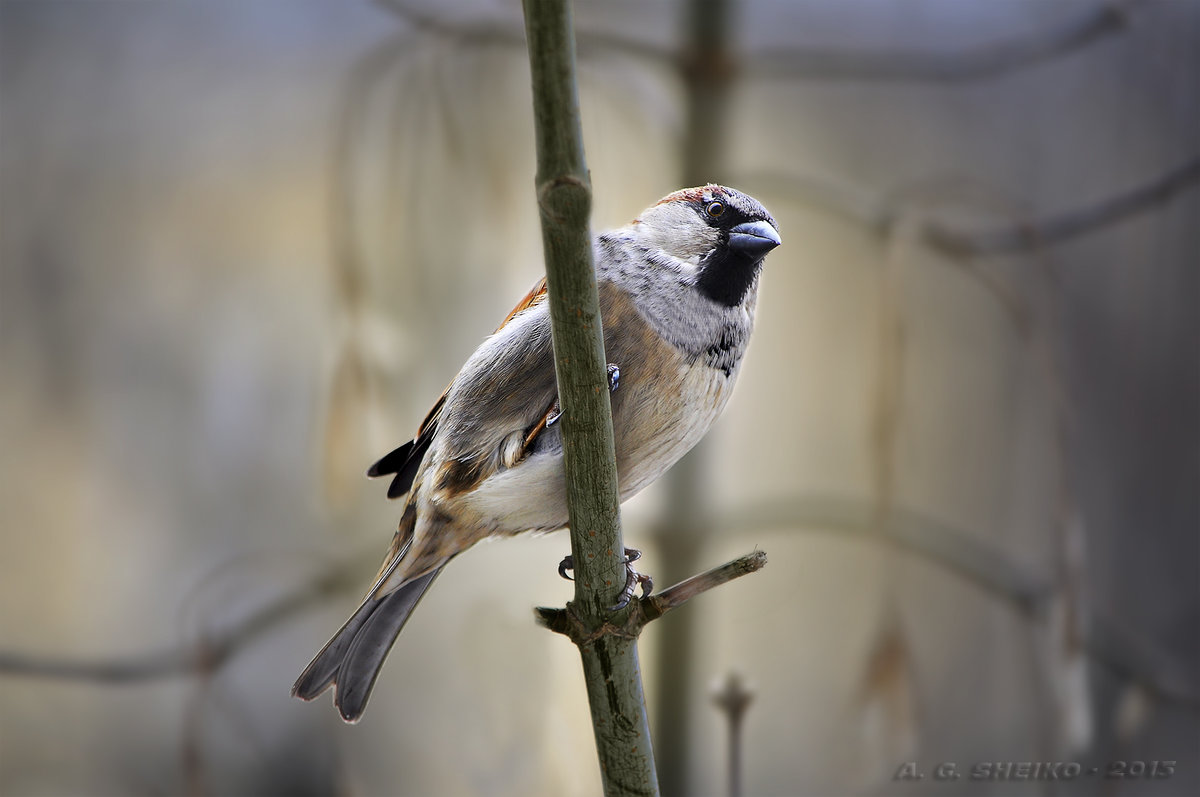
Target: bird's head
(719,236)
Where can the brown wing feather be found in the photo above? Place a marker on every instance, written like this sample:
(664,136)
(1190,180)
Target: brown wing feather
(536,296)
(532,435)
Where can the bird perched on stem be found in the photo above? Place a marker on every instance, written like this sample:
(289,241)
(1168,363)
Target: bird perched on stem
(678,287)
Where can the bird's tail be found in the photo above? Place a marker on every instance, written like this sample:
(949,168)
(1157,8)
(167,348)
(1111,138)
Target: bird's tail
(351,661)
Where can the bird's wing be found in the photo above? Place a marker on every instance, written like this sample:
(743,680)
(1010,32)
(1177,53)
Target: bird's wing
(499,400)
(406,460)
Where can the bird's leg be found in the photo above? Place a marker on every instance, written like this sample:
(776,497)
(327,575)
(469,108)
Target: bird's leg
(632,579)
(614,379)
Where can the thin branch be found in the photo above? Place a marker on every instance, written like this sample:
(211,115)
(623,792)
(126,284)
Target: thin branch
(492,30)
(564,197)
(1108,641)
(878,217)
(348,260)
(732,698)
(140,667)
(610,663)
(656,606)
(707,78)
(960,552)
(205,656)
(651,608)
(1091,27)
(1124,650)
(1063,227)
(509,32)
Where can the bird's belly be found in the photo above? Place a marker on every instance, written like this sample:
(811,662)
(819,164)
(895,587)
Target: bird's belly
(531,496)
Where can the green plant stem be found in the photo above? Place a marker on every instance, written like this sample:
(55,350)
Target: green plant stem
(610,661)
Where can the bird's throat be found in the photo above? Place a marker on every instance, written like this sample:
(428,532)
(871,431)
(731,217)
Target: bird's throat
(726,276)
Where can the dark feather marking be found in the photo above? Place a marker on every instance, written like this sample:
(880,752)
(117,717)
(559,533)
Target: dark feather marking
(405,461)
(727,276)
(392,462)
(404,479)
(460,475)
(725,353)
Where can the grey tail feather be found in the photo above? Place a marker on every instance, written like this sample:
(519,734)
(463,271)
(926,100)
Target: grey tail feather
(352,659)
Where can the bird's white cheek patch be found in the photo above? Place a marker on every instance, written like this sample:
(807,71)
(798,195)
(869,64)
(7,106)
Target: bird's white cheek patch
(675,229)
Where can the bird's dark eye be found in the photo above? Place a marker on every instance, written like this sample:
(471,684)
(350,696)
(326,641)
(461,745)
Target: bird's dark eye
(715,209)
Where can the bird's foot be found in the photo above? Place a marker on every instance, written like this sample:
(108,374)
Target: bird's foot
(632,578)
(614,379)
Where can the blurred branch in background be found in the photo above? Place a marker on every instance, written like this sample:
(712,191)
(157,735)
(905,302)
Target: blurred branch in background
(706,70)
(1062,227)
(1106,640)
(878,216)
(978,563)
(202,657)
(1085,29)
(956,550)
(1077,32)
(355,375)
(732,697)
(510,31)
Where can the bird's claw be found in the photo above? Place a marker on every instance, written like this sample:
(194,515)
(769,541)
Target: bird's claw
(614,379)
(632,578)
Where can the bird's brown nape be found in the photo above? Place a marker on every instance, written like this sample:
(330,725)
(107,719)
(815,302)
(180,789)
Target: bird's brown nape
(693,195)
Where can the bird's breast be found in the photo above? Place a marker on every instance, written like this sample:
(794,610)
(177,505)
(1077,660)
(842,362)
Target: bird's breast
(660,418)
(667,398)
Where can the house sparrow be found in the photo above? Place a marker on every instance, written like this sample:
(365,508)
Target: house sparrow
(677,287)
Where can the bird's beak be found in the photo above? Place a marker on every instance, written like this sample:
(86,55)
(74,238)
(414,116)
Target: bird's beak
(753,239)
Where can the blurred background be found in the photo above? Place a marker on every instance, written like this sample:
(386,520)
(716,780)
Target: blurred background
(244,245)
